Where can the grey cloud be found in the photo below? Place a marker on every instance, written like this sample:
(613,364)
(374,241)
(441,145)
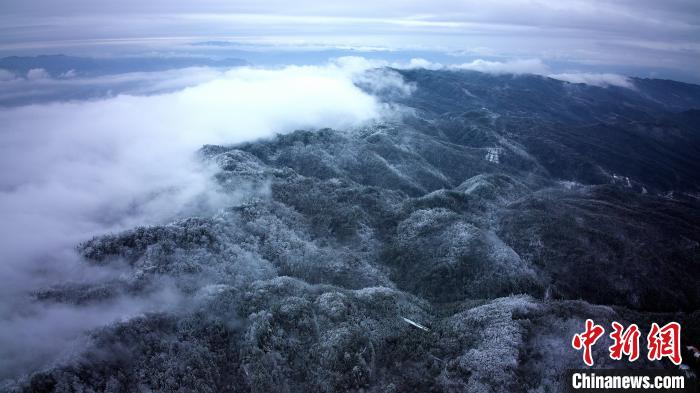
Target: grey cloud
(6,75)
(550,30)
(45,333)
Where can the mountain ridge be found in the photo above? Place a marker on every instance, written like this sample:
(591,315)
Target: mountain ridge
(498,233)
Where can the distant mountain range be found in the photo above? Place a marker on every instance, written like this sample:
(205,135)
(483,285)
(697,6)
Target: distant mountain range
(59,78)
(58,65)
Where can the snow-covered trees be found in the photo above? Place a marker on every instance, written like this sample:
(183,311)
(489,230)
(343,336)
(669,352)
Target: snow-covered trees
(336,238)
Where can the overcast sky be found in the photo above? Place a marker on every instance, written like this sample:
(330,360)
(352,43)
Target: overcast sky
(639,33)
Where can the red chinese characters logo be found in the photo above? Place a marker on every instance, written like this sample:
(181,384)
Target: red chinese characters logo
(665,342)
(662,342)
(625,342)
(586,340)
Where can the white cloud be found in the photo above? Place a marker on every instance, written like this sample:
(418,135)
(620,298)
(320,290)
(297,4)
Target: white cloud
(419,63)
(69,74)
(525,66)
(78,169)
(528,66)
(79,166)
(593,79)
(517,66)
(37,73)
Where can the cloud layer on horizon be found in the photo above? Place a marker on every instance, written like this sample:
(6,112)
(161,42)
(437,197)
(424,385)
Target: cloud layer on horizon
(523,66)
(600,80)
(652,34)
(39,86)
(518,66)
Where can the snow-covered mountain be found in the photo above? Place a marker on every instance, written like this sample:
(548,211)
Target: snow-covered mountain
(456,247)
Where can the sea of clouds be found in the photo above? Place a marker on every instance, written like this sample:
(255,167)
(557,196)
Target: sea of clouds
(77,169)
(86,165)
